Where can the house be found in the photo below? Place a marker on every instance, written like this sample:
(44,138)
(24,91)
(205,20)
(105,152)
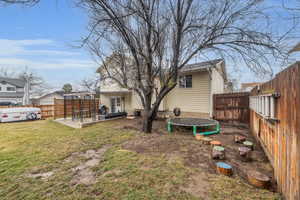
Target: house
(12,91)
(48,99)
(193,94)
(247,87)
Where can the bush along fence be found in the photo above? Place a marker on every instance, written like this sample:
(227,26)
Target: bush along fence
(231,107)
(275,122)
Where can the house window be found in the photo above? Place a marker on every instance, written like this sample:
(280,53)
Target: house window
(186,81)
(264,105)
(10,89)
(0,88)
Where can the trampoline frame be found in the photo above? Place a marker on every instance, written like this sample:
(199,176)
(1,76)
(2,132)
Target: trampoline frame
(216,124)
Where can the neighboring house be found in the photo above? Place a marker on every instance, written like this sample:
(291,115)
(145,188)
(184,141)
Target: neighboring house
(48,99)
(247,87)
(12,90)
(193,94)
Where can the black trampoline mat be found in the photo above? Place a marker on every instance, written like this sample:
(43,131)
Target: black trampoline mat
(193,122)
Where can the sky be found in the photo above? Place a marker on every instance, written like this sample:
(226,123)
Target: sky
(43,38)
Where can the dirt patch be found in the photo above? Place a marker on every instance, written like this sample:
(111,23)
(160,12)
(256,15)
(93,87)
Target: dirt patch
(83,172)
(198,185)
(182,144)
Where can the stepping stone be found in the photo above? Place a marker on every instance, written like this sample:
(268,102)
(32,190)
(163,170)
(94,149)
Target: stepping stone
(218,152)
(206,140)
(215,143)
(224,168)
(248,144)
(239,139)
(199,137)
(245,153)
(258,179)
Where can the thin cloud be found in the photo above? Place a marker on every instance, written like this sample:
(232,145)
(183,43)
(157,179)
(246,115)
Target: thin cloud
(54,64)
(13,48)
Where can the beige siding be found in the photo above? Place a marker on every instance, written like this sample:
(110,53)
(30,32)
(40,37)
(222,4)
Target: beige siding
(137,103)
(217,84)
(195,99)
(49,99)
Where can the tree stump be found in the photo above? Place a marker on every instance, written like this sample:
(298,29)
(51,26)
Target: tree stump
(239,139)
(224,168)
(218,152)
(248,144)
(199,137)
(215,143)
(258,179)
(206,140)
(245,153)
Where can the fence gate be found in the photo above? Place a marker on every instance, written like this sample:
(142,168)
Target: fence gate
(231,107)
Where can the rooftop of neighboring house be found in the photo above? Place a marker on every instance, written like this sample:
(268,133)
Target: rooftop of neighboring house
(13,81)
(58,92)
(249,86)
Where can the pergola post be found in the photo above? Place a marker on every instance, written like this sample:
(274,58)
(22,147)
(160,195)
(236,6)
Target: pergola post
(80,110)
(72,102)
(94,108)
(65,107)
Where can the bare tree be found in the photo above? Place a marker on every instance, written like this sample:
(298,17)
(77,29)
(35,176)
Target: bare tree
(6,72)
(24,2)
(91,84)
(155,39)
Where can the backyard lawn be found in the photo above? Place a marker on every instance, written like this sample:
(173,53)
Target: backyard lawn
(46,160)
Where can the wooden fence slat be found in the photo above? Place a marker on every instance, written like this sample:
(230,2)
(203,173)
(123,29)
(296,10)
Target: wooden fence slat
(281,140)
(231,107)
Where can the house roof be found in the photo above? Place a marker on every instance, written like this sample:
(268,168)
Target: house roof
(11,94)
(13,81)
(201,65)
(59,92)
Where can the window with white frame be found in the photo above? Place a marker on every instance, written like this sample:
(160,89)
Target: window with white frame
(10,89)
(186,81)
(264,105)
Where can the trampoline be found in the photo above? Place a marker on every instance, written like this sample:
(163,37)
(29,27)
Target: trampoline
(195,123)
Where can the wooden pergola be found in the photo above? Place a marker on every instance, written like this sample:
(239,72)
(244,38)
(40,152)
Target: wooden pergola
(83,105)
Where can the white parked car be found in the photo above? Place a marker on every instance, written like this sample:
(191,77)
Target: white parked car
(19,114)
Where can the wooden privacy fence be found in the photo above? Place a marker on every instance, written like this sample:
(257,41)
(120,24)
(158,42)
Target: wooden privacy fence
(231,107)
(47,111)
(86,104)
(280,135)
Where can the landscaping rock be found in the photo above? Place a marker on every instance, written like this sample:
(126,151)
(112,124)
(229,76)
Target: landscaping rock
(218,152)
(199,137)
(224,168)
(258,179)
(215,143)
(248,144)
(206,140)
(239,139)
(245,153)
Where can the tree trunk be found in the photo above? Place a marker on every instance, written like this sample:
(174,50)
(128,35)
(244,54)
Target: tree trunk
(148,117)
(147,124)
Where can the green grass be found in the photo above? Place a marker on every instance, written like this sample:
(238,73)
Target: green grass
(42,146)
